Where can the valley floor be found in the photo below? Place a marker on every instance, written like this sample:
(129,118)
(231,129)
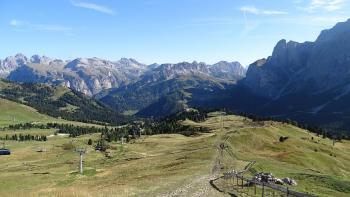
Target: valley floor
(175,165)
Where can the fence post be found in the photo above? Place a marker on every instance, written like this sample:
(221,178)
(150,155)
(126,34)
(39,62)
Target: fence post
(263,190)
(254,189)
(247,186)
(287,191)
(242,183)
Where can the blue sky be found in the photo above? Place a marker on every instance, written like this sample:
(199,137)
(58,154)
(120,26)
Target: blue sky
(162,31)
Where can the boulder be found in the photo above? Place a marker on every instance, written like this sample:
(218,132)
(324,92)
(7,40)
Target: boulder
(278,181)
(289,181)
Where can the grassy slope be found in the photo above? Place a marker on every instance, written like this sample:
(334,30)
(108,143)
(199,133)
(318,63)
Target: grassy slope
(14,113)
(164,164)
(317,166)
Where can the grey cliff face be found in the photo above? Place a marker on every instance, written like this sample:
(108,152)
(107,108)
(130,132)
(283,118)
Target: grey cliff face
(269,77)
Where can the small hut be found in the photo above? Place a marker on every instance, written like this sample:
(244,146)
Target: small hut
(4,151)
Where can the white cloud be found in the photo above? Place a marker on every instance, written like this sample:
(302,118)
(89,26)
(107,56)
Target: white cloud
(273,12)
(256,11)
(249,9)
(93,6)
(327,5)
(39,27)
(15,22)
(56,28)
(250,25)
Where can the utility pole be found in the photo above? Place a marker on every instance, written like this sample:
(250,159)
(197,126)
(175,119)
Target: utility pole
(222,119)
(81,152)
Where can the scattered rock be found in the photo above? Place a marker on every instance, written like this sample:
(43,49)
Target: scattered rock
(289,181)
(278,181)
(264,177)
(269,178)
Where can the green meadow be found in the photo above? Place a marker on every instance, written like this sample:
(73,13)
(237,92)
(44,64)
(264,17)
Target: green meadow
(171,165)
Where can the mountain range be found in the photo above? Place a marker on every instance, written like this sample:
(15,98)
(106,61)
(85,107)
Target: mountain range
(86,75)
(126,85)
(308,82)
(92,75)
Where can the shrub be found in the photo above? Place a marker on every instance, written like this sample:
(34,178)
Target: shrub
(68,146)
(283,138)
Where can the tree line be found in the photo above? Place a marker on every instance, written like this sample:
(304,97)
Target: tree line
(169,124)
(325,133)
(24,137)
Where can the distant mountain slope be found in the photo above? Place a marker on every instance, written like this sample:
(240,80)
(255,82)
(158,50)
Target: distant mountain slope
(59,101)
(93,75)
(86,75)
(309,82)
(166,105)
(221,70)
(169,88)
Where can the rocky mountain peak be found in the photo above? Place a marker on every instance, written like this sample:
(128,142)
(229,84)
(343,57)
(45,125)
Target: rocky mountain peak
(92,75)
(11,63)
(340,29)
(283,49)
(223,70)
(37,59)
(75,62)
(20,56)
(280,46)
(21,59)
(316,66)
(130,62)
(260,62)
